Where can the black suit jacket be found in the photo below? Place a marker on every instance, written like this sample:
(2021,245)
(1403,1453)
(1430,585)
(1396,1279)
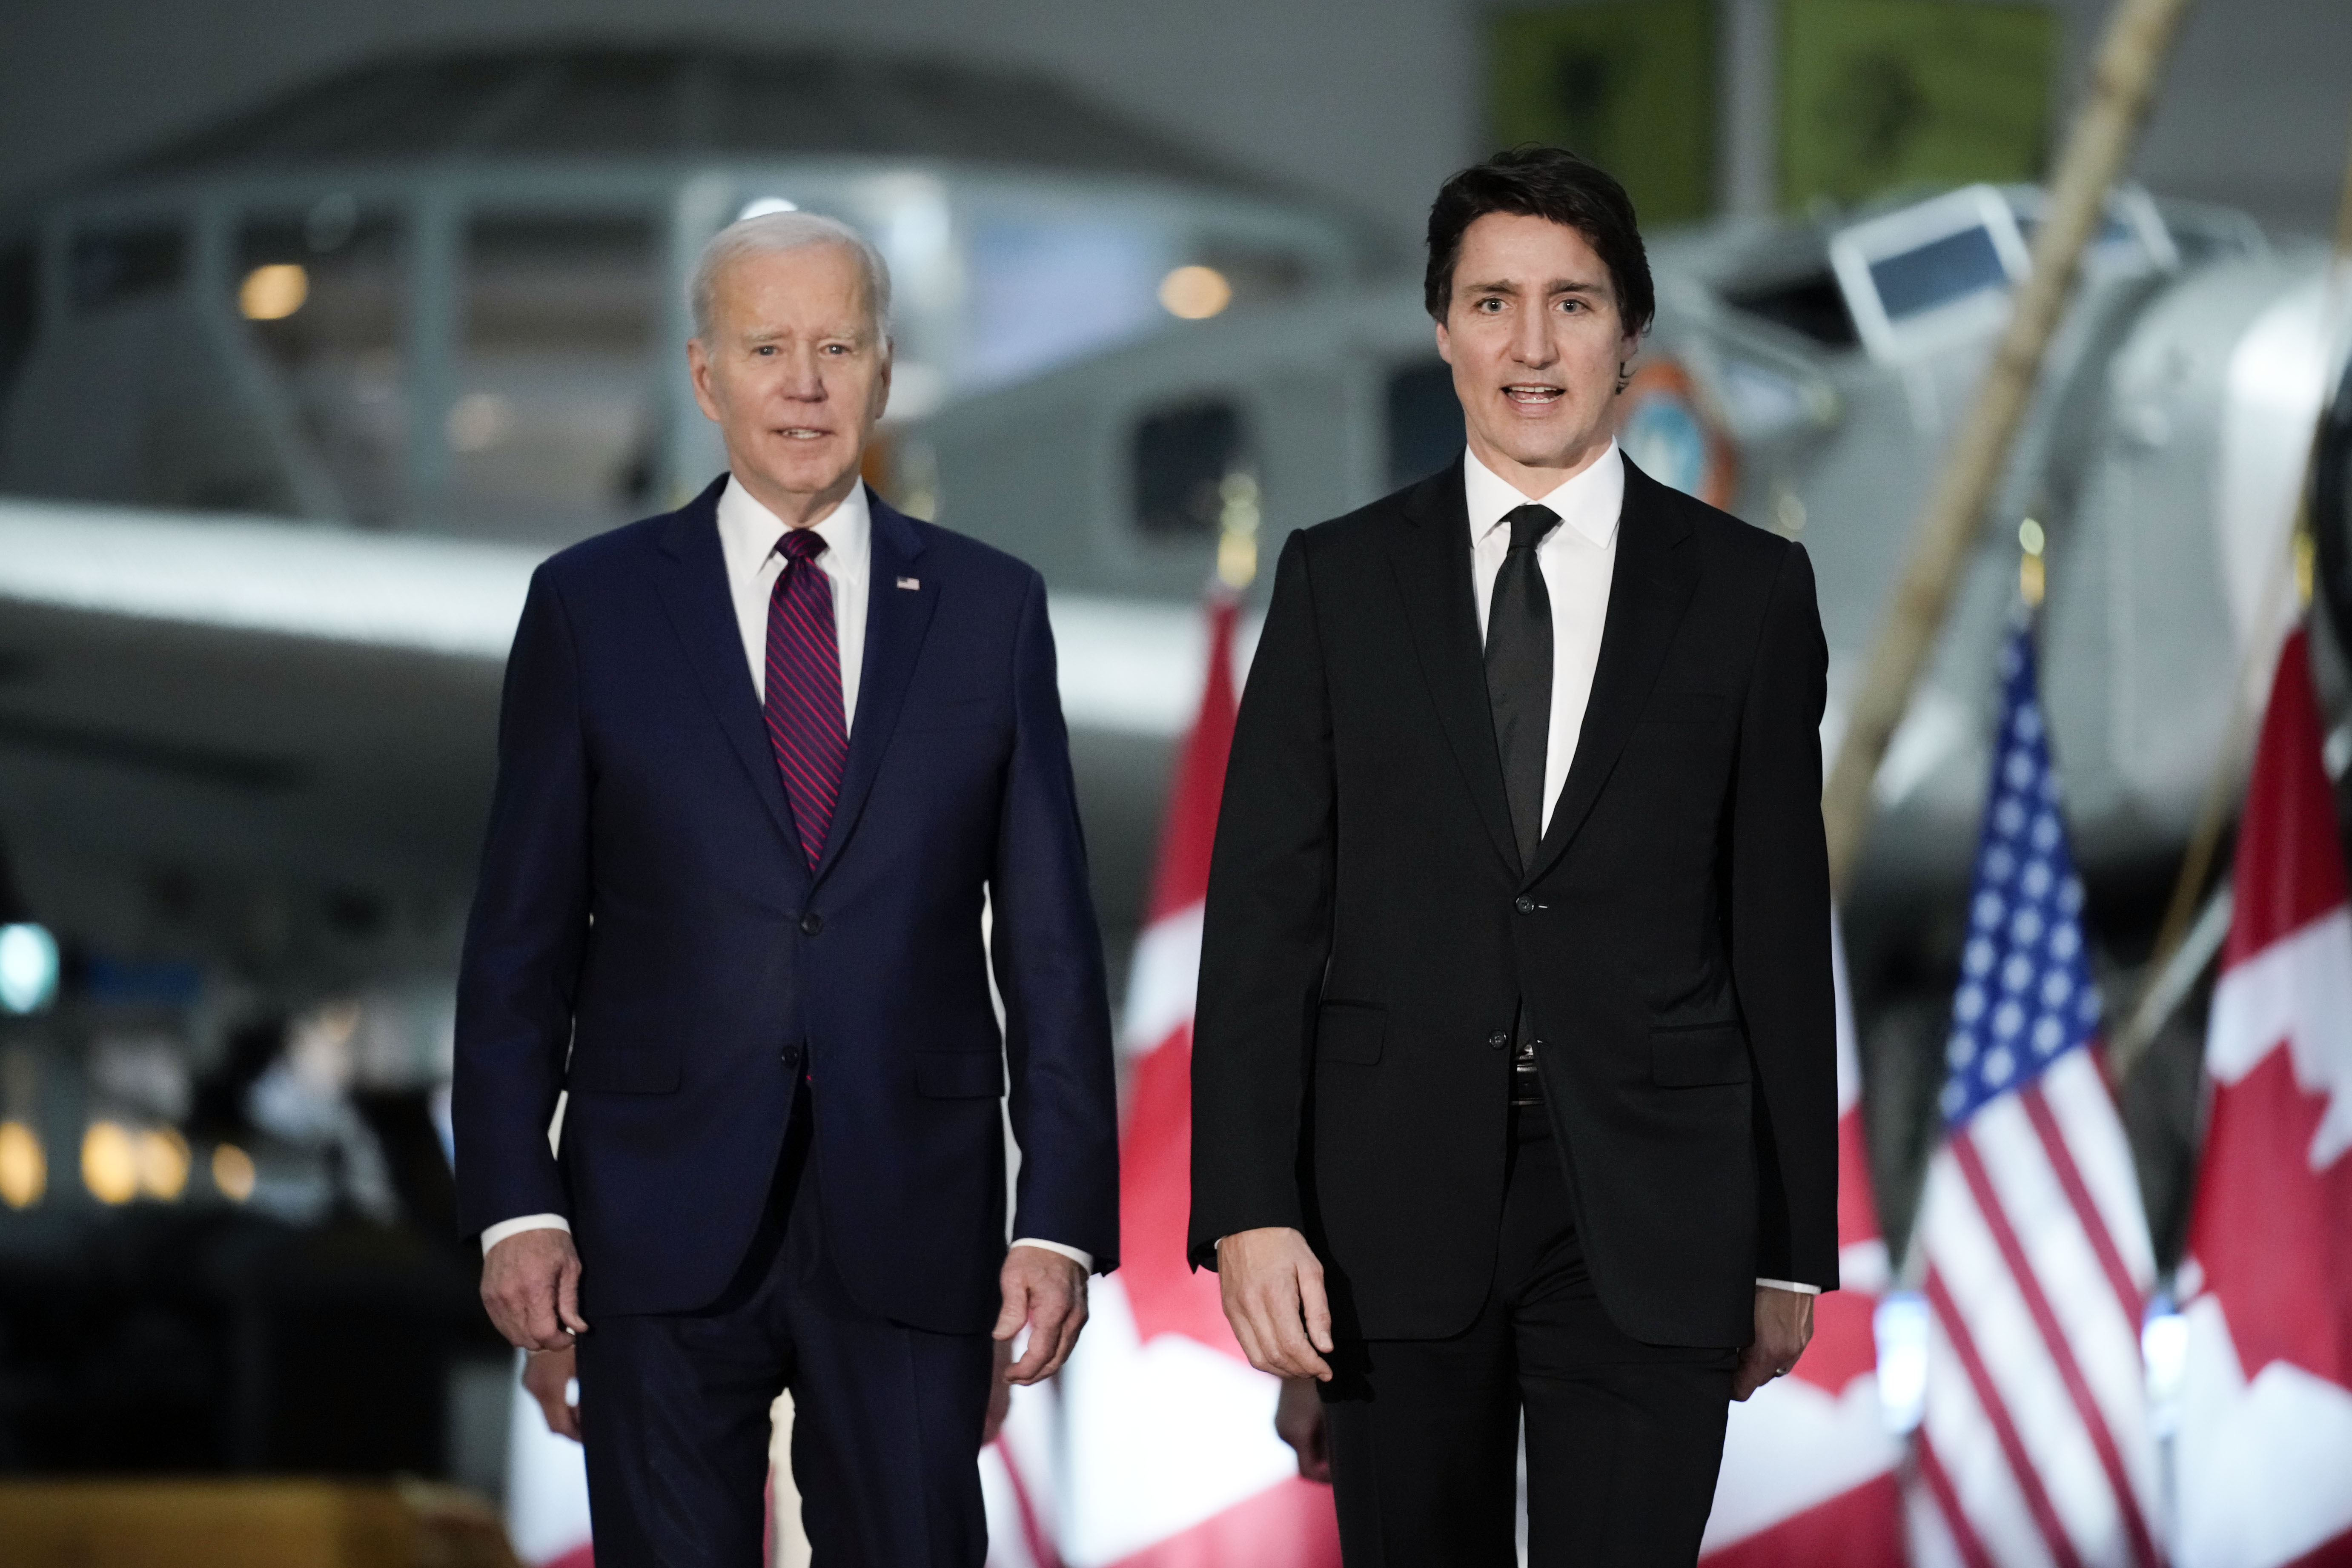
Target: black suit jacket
(1370,932)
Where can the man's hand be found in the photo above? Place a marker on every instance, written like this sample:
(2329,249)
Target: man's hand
(1272,1285)
(1784,1323)
(531,1283)
(547,1377)
(1298,1421)
(1048,1292)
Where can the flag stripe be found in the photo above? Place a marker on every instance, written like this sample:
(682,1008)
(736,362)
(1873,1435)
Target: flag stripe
(2053,1336)
(1971,1451)
(1947,1506)
(2021,1464)
(1032,1533)
(2086,1210)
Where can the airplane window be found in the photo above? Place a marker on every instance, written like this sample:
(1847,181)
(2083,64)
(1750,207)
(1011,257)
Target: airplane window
(110,266)
(1424,422)
(1182,459)
(18,310)
(1813,305)
(1937,273)
(322,293)
(552,428)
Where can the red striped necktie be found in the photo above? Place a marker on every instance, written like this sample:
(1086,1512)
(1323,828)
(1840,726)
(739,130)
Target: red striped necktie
(806,724)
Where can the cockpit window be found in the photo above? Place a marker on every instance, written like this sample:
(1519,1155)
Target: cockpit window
(1938,272)
(1189,461)
(1424,424)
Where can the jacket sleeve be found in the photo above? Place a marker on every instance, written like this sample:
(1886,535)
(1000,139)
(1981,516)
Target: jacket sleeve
(1780,936)
(1047,951)
(1267,931)
(526,934)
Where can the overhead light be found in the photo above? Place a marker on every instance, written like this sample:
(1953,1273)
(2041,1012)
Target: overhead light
(162,1163)
(29,968)
(233,1172)
(24,1168)
(763,205)
(274,292)
(1195,293)
(109,1162)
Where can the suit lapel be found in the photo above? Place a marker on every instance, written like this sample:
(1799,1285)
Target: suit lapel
(1648,592)
(1430,554)
(896,621)
(694,591)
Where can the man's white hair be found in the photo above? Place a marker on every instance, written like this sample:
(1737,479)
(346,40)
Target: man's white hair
(769,232)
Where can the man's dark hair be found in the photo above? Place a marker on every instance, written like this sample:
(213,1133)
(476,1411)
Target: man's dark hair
(1549,183)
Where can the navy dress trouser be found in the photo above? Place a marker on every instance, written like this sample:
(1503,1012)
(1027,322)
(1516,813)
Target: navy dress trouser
(886,1418)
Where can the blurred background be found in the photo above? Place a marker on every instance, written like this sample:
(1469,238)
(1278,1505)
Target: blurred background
(321,324)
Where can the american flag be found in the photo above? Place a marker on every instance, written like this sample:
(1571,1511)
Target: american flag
(2034,1446)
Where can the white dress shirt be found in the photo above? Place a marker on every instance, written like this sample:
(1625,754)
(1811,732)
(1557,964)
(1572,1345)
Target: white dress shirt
(748,536)
(1577,559)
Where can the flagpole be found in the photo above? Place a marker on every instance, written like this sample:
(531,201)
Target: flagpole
(2138,41)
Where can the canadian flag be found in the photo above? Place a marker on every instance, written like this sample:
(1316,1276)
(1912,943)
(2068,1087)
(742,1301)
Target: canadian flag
(2265,1453)
(1807,1478)
(1169,1454)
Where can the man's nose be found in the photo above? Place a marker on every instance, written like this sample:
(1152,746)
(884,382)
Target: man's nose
(1531,342)
(803,378)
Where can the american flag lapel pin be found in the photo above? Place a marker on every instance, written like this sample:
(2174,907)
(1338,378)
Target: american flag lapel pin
(911,583)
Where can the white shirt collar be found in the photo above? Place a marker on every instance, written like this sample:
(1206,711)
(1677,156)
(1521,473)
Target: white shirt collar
(748,532)
(1588,502)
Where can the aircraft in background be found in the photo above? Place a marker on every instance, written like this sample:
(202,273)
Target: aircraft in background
(432,308)
(289,414)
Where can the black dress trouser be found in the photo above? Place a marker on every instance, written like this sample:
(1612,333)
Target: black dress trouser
(886,1425)
(1624,1438)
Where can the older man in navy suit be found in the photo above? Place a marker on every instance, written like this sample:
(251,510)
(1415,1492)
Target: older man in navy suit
(761,761)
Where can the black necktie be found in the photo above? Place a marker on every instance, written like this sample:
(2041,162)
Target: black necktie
(1519,673)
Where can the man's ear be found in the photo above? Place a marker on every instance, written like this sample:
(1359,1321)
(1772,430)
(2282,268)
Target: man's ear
(697,371)
(1444,344)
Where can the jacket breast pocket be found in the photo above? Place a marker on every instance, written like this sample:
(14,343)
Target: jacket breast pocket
(623,1069)
(1696,1056)
(1350,1032)
(958,1075)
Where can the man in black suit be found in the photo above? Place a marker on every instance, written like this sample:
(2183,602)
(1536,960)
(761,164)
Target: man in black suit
(1514,1089)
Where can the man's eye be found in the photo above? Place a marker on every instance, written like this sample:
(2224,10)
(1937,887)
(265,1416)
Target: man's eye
(766,351)
(1490,306)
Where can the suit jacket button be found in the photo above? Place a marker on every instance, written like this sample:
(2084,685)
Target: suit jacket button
(1499,1038)
(1524,904)
(812,923)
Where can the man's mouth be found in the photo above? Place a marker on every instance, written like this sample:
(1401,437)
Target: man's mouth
(802,433)
(1532,394)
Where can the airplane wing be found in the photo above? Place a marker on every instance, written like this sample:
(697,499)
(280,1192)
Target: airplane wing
(256,701)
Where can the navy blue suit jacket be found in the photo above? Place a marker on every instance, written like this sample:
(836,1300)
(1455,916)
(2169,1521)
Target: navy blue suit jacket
(647,934)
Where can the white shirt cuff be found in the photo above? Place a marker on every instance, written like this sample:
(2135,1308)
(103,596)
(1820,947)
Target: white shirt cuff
(495,1234)
(1791,1285)
(1085,1260)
